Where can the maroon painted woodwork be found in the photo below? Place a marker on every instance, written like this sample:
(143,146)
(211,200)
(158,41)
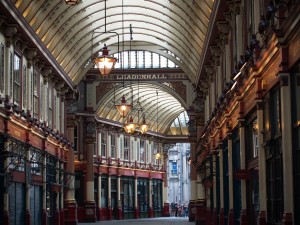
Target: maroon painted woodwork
(120,215)
(62,216)
(136,213)
(57,217)
(109,213)
(215,217)
(200,217)
(151,212)
(166,209)
(221,217)
(90,212)
(231,217)
(243,217)
(70,214)
(208,219)
(287,219)
(27,217)
(44,217)
(80,215)
(262,218)
(192,210)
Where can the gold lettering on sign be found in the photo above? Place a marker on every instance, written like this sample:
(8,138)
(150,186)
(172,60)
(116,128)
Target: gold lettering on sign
(141,77)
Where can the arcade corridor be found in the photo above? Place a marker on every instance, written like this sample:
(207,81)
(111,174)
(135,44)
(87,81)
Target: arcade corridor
(95,94)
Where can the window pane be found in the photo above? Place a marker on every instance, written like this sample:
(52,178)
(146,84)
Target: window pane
(140,59)
(148,60)
(155,60)
(132,59)
(17,78)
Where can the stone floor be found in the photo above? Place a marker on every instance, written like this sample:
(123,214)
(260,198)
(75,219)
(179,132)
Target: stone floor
(148,221)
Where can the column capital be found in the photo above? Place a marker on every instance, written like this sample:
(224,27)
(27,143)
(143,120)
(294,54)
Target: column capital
(241,122)
(89,140)
(9,32)
(284,79)
(30,54)
(259,104)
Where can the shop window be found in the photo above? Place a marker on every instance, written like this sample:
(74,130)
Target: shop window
(143,194)
(127,194)
(42,92)
(113,145)
(157,194)
(121,148)
(35,93)
(273,150)
(50,105)
(138,153)
(126,148)
(142,151)
(104,192)
(24,85)
(103,144)
(17,76)
(275,115)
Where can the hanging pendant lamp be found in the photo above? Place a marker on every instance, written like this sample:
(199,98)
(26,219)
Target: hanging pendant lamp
(104,62)
(130,126)
(123,108)
(143,126)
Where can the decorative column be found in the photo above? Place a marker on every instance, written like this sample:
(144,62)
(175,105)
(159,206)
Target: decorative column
(215,211)
(243,217)
(200,203)
(99,210)
(70,202)
(166,209)
(221,214)
(151,211)
(193,180)
(44,212)
(89,140)
(287,153)
(109,210)
(230,171)
(136,207)
(62,213)
(259,129)
(57,213)
(119,197)
(27,180)
(6,183)
(194,135)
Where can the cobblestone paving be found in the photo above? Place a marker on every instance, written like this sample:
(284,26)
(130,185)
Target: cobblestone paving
(148,221)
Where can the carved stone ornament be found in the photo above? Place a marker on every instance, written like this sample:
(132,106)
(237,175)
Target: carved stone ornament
(71,122)
(72,107)
(90,127)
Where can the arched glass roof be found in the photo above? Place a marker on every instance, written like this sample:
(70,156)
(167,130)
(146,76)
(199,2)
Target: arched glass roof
(165,34)
(159,26)
(180,125)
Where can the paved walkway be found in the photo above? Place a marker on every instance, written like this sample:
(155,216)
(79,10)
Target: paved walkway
(147,221)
